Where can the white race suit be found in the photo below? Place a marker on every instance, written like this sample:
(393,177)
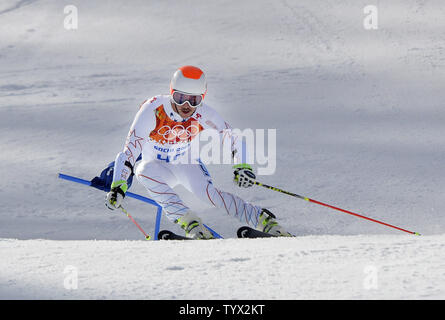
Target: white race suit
(165,139)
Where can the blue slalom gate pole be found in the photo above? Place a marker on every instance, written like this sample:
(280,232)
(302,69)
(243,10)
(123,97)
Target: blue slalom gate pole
(128,194)
(138,197)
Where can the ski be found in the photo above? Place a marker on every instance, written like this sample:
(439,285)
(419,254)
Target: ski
(243,232)
(169,235)
(248,232)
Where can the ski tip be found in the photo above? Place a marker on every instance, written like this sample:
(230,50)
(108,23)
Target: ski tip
(164,235)
(242,232)
(417,234)
(170,235)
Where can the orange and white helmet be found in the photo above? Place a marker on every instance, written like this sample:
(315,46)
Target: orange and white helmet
(188,85)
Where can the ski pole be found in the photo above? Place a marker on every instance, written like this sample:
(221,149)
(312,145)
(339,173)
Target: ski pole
(332,207)
(147,237)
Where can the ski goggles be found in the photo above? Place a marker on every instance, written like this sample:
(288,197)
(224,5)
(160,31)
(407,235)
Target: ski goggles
(180,98)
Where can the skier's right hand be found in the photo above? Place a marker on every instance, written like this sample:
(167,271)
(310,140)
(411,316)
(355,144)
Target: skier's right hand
(113,199)
(116,195)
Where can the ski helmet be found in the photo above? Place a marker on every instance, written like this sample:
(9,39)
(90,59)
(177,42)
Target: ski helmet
(188,85)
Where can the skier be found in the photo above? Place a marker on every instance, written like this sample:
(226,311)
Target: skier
(163,130)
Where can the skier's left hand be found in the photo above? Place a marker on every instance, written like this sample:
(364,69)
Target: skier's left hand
(243,175)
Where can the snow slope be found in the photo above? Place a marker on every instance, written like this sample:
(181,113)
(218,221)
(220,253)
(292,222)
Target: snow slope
(359,117)
(310,267)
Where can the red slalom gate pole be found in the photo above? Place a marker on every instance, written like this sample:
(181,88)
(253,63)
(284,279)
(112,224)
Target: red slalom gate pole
(335,208)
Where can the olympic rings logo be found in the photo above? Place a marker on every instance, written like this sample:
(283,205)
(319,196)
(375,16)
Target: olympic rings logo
(178,132)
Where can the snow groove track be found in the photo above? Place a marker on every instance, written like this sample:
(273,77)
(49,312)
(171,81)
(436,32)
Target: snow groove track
(16,6)
(311,267)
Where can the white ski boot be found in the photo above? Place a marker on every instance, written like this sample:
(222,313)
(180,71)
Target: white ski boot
(268,224)
(194,227)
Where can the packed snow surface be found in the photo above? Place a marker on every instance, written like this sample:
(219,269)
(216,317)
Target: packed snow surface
(309,267)
(359,116)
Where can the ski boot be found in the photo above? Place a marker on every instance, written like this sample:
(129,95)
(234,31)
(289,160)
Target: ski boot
(193,227)
(268,224)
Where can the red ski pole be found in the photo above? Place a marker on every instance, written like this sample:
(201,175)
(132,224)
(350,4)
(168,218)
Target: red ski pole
(147,237)
(335,208)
